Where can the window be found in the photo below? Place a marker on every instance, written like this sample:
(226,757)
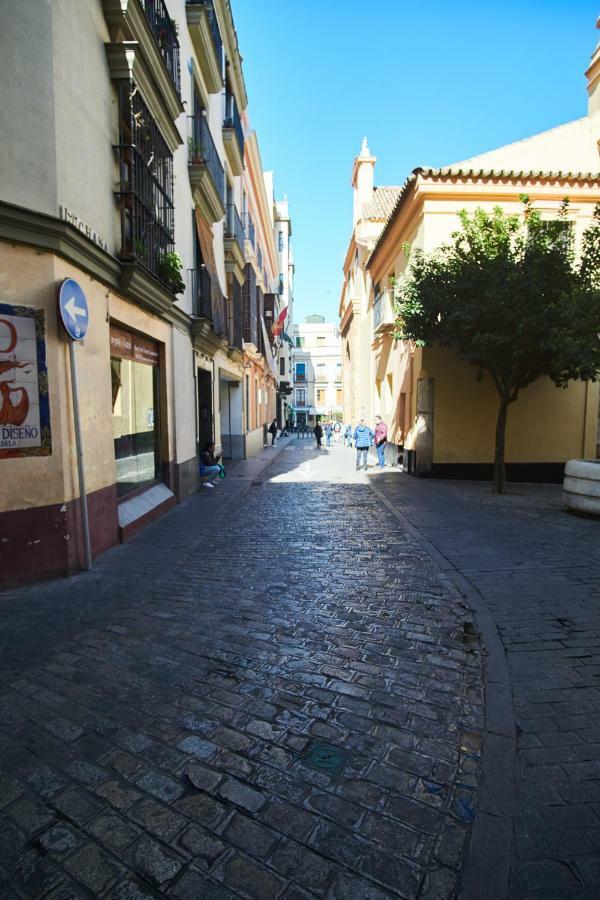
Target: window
(338,371)
(282,365)
(300,343)
(300,371)
(134,378)
(247,403)
(146,185)
(320,341)
(280,244)
(280,287)
(300,396)
(338,396)
(320,395)
(558,231)
(321,375)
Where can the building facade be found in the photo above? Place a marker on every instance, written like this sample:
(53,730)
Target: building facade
(434,405)
(318,391)
(148,168)
(285,289)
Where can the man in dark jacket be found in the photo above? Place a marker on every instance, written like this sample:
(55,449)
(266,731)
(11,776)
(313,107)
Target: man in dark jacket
(273,431)
(363,436)
(318,433)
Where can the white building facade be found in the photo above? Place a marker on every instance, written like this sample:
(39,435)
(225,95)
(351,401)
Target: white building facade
(318,392)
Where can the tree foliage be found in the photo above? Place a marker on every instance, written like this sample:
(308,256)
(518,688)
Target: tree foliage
(512,297)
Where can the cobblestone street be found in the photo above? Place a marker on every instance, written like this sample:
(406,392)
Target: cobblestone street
(287,703)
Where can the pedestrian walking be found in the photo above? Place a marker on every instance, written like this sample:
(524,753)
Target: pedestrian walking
(209,465)
(337,430)
(381,433)
(328,433)
(318,432)
(363,437)
(273,431)
(348,436)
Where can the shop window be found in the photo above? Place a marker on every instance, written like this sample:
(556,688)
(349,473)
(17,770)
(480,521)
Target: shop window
(135,406)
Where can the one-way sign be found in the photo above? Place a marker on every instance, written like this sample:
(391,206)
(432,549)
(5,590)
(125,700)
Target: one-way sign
(73,309)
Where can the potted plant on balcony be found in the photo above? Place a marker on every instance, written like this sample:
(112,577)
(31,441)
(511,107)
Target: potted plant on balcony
(169,266)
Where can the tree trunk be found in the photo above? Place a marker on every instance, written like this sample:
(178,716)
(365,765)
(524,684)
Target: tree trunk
(499,466)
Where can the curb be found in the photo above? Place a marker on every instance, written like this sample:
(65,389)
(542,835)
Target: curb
(487,868)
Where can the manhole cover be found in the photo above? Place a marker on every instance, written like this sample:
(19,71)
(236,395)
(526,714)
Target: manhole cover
(324,758)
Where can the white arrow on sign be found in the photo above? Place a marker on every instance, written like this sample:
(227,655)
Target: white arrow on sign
(74,310)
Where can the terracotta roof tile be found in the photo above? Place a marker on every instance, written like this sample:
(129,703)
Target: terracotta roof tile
(382,204)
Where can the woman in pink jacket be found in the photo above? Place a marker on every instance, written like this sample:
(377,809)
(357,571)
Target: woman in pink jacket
(381,432)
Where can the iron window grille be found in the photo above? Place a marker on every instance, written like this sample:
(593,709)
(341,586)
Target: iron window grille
(201,293)
(145,194)
(249,229)
(236,328)
(202,150)
(213,25)
(165,34)
(233,226)
(232,120)
(249,307)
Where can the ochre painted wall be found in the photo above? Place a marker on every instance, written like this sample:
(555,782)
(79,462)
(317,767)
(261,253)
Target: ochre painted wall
(545,424)
(31,279)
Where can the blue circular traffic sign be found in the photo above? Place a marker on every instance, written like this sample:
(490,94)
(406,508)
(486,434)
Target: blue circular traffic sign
(73,309)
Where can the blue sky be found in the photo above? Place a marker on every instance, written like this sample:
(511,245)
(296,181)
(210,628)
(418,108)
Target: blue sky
(428,83)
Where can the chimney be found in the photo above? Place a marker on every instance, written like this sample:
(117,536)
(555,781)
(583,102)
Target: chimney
(362,180)
(593,79)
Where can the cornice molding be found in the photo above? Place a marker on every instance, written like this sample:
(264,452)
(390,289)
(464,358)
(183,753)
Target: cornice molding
(49,234)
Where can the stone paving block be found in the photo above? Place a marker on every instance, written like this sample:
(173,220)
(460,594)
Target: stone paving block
(242,795)
(154,862)
(35,876)
(252,880)
(31,816)
(202,846)
(77,805)
(195,746)
(353,887)
(159,820)
(193,885)
(60,840)
(94,868)
(289,819)
(10,789)
(303,866)
(119,794)
(114,832)
(248,835)
(202,809)
(68,890)
(161,786)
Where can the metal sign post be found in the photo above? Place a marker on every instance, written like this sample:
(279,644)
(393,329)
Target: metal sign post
(73,310)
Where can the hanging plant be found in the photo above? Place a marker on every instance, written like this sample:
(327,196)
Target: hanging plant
(169,267)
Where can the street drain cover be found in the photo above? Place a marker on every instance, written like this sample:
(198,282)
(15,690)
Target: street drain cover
(324,758)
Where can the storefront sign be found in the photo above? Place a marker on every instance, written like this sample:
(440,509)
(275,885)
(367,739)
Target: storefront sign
(89,232)
(24,401)
(128,345)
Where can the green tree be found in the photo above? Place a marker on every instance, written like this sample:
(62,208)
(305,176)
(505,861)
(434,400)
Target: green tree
(510,295)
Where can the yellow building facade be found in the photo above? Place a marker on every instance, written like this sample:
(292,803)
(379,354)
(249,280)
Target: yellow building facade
(434,405)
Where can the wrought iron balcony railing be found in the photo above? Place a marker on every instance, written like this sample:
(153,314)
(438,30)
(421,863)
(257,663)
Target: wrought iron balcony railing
(259,258)
(383,313)
(201,293)
(249,233)
(234,227)
(300,378)
(165,34)
(202,150)
(213,25)
(232,120)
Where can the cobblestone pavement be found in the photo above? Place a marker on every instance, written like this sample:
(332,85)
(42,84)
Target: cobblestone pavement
(537,569)
(272,692)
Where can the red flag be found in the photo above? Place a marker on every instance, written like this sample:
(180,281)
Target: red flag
(277,327)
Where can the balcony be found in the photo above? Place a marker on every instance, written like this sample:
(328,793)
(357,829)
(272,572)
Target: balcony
(236,324)
(383,312)
(300,403)
(249,236)
(207,177)
(143,44)
(201,293)
(299,379)
(206,38)
(233,135)
(234,242)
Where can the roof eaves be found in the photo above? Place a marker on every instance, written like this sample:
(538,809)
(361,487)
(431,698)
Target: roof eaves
(449,172)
